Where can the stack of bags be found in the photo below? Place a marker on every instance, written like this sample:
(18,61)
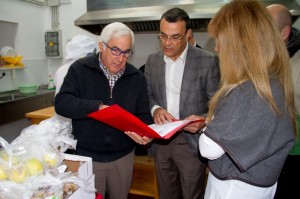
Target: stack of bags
(31,166)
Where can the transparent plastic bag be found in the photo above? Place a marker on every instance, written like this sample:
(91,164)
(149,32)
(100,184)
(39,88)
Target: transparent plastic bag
(46,141)
(44,186)
(12,190)
(30,164)
(72,183)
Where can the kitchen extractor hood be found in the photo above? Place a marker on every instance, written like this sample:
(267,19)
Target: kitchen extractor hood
(143,18)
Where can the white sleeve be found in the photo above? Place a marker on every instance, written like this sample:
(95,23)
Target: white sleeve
(154,108)
(60,75)
(209,149)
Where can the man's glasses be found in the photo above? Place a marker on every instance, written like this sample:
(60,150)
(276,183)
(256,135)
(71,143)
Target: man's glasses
(117,51)
(173,38)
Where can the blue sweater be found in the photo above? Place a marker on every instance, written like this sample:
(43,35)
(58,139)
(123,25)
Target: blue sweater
(85,87)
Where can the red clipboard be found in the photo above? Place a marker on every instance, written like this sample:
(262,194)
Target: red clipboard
(123,120)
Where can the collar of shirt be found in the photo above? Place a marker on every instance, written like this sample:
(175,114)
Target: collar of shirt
(112,78)
(107,73)
(182,57)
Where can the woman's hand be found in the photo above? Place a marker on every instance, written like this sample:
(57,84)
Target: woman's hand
(138,139)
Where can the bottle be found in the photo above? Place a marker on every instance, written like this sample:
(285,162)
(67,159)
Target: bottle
(51,83)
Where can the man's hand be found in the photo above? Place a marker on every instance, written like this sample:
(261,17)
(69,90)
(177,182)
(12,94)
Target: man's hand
(137,138)
(195,126)
(102,106)
(162,116)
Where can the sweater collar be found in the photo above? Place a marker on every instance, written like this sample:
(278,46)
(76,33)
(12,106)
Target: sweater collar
(93,62)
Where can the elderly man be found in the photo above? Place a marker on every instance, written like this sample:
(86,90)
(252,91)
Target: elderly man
(93,83)
(291,36)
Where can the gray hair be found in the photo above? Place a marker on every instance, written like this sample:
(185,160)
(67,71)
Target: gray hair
(115,29)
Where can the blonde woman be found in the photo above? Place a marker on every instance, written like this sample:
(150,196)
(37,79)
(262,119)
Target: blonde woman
(251,120)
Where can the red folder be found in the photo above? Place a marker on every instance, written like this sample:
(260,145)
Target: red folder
(121,119)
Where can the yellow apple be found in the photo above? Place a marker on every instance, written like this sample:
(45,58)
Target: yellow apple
(50,159)
(34,166)
(3,173)
(18,174)
(4,156)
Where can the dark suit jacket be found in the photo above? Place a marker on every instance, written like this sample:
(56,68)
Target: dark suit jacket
(198,46)
(199,83)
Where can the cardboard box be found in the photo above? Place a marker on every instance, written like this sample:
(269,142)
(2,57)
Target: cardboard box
(84,166)
(81,164)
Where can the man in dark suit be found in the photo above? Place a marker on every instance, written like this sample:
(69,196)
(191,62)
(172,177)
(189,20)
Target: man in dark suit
(180,80)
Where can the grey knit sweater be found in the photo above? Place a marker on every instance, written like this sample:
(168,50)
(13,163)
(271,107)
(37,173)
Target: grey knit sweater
(256,141)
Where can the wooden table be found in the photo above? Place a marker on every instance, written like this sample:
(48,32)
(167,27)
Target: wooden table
(40,115)
(144,178)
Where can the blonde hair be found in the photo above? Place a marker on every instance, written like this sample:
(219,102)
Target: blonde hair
(250,49)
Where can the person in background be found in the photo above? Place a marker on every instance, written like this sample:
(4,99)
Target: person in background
(251,120)
(79,47)
(93,83)
(191,41)
(286,187)
(180,79)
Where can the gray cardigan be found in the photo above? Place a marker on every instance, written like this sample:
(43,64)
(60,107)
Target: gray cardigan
(256,141)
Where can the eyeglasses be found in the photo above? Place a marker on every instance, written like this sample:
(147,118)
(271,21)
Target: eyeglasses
(117,51)
(173,38)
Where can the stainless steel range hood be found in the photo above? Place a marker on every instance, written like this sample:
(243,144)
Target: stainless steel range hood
(143,18)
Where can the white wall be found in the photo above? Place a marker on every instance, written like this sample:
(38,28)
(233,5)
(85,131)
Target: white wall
(68,14)
(32,22)
(28,41)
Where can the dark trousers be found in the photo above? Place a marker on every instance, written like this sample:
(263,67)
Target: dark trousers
(179,171)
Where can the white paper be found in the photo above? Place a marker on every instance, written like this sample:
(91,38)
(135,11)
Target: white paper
(164,129)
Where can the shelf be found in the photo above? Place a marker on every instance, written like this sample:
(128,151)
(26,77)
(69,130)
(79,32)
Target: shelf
(11,67)
(12,70)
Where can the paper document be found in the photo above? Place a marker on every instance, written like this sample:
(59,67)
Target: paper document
(123,120)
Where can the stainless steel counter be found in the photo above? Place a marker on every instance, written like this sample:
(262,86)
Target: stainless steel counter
(14,105)
(15,95)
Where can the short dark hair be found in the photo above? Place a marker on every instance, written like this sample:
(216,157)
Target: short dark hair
(177,14)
